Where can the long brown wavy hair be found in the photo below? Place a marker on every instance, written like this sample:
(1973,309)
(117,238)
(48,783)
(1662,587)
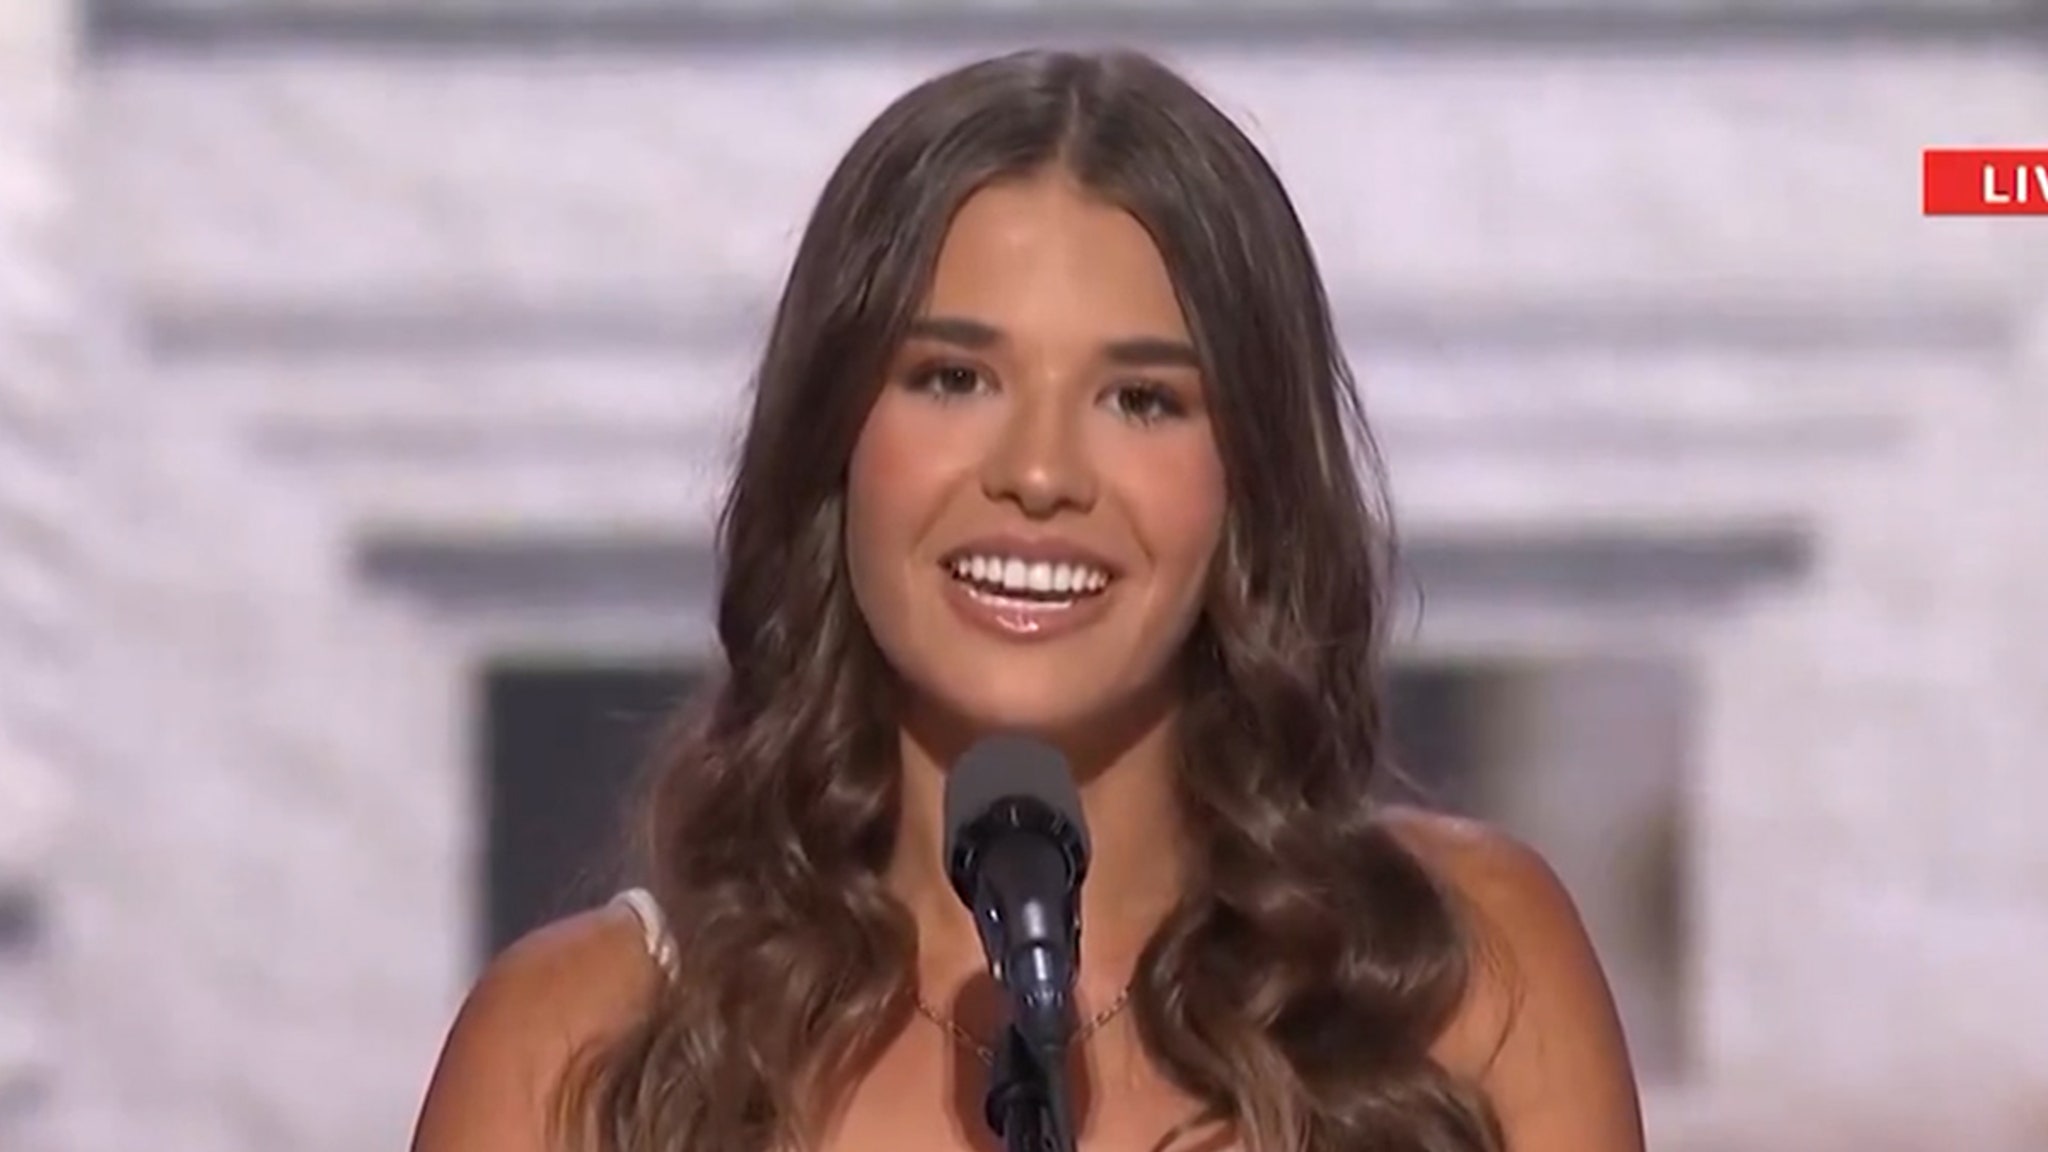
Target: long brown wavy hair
(1301,982)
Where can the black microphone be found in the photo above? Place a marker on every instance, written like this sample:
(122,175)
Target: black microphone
(1016,852)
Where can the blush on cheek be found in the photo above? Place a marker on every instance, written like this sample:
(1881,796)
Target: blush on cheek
(866,534)
(898,488)
(1187,533)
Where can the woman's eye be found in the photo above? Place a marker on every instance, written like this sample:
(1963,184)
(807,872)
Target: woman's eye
(1146,403)
(947,381)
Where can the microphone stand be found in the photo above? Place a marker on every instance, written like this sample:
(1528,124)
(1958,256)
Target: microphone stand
(1026,1103)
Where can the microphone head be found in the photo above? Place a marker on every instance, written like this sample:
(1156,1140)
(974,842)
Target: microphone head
(1011,782)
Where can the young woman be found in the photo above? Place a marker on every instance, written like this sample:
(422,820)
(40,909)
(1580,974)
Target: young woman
(1052,435)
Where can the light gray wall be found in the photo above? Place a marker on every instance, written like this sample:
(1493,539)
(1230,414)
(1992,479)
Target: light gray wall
(474,295)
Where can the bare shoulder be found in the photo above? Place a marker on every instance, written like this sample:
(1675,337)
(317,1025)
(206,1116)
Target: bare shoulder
(542,1001)
(1539,1027)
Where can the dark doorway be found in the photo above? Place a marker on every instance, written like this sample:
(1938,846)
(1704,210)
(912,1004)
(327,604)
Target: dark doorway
(1432,742)
(1582,759)
(564,745)
(563,751)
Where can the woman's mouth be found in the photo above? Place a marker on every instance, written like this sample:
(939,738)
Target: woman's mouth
(1028,583)
(1022,598)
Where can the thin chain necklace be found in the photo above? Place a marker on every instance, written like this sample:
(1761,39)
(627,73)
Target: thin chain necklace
(986,1054)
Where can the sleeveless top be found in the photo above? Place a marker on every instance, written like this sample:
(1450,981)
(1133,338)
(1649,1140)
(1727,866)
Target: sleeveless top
(654,933)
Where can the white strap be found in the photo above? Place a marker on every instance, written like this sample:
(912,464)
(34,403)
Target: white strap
(661,945)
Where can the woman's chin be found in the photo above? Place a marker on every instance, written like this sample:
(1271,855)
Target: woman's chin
(1075,720)
(1051,714)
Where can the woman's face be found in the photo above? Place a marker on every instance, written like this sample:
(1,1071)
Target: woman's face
(1036,495)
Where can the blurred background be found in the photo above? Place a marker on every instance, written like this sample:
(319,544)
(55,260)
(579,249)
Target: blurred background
(368,370)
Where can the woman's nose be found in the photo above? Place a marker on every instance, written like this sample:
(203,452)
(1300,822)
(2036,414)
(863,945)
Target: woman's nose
(1041,460)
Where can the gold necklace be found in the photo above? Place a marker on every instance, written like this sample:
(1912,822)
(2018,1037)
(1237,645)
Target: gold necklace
(986,1054)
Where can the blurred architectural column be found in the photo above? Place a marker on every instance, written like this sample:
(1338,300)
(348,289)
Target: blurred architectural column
(1875,881)
(39,406)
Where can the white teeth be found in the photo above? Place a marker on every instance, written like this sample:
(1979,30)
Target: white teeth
(1037,577)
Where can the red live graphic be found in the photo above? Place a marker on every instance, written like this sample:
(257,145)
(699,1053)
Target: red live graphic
(1984,182)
